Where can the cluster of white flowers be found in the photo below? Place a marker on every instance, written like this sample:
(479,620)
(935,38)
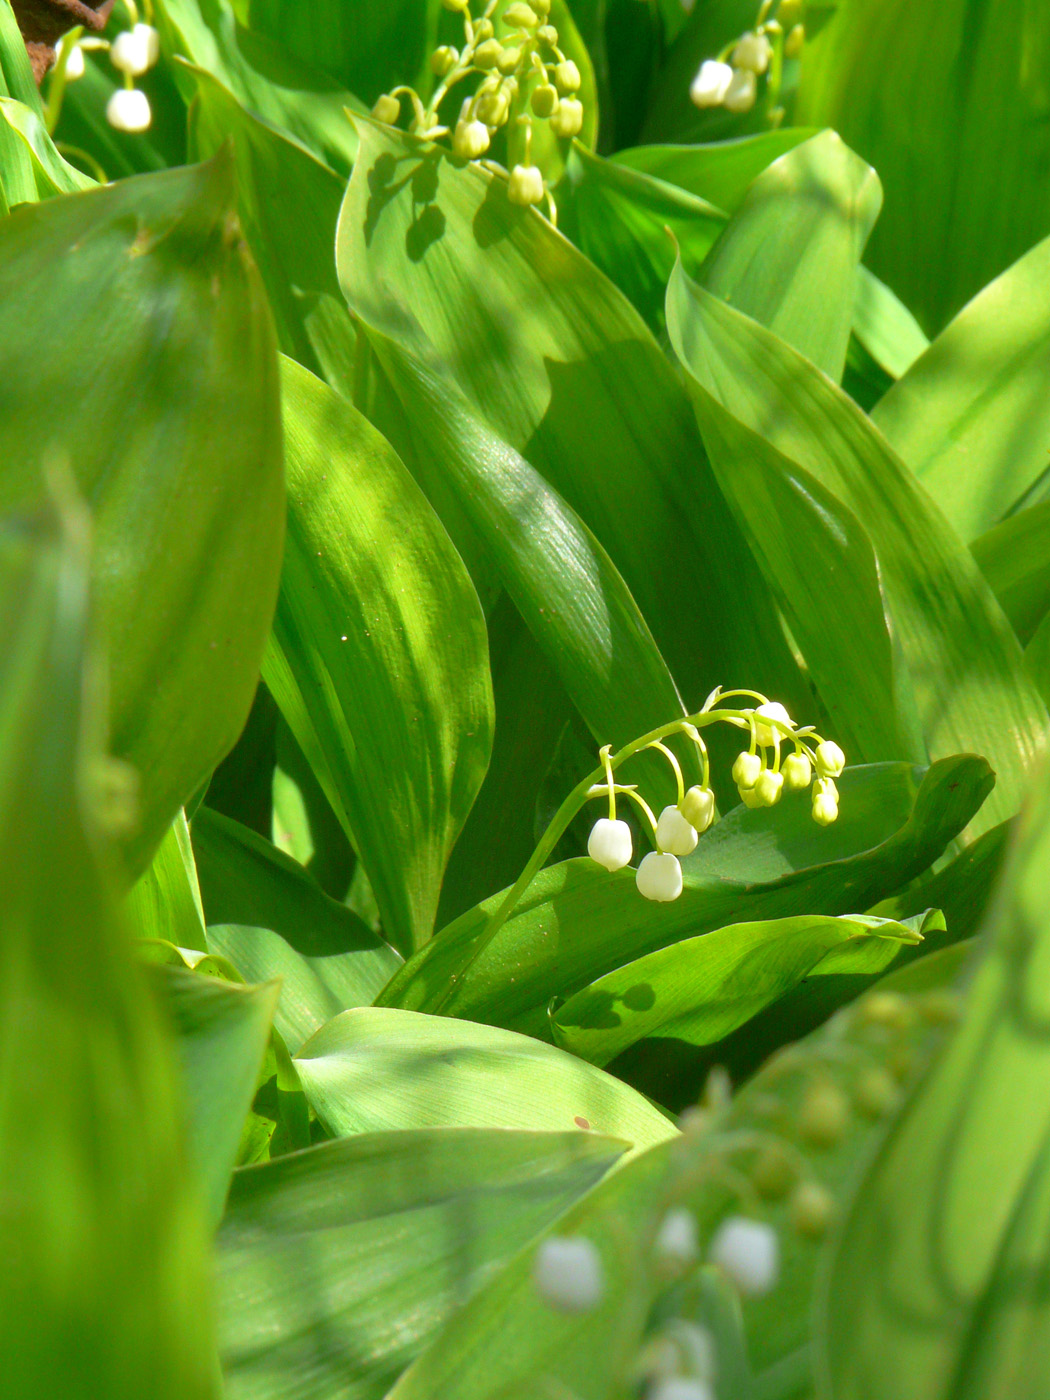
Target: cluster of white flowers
(760,777)
(732,80)
(133,52)
(524,77)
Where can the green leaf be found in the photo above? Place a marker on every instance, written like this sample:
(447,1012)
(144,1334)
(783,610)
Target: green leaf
(577,922)
(970,686)
(557,363)
(90,1101)
(165,902)
(885,327)
(248,885)
(1037,658)
(52,174)
(221,1034)
(702,988)
(789,255)
(178,453)
(1015,559)
(339,1265)
(376,1068)
(964,195)
(971,417)
(952,1173)
(379,656)
(16,72)
(720,173)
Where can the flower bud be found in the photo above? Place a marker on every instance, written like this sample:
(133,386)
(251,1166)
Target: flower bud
(526,185)
(674,833)
(568,1274)
(751,798)
(547,34)
(830,759)
(798,772)
(488,54)
(129,110)
(483,29)
(773,1174)
(542,7)
(471,140)
(768,734)
(825,802)
(746,770)
(508,61)
(875,1092)
(75,65)
(698,807)
(567,77)
(812,1209)
(824,1115)
(659,877)
(544,100)
(136,50)
(610,842)
(752,52)
(567,121)
(789,12)
(520,16)
(443,60)
(493,108)
(387,109)
(711,83)
(456,6)
(747,1252)
(795,41)
(741,92)
(769,786)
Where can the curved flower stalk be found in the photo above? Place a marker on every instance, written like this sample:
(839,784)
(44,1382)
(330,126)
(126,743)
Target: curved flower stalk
(733,79)
(519,80)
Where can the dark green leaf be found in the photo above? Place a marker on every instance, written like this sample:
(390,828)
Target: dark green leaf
(1015,559)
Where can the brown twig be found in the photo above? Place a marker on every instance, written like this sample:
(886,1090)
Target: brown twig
(43,22)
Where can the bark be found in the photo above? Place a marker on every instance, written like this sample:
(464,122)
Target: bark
(43,22)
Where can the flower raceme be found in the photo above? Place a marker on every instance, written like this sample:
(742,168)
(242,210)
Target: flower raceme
(760,774)
(732,79)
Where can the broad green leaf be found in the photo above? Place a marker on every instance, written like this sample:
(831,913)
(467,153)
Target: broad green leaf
(553,358)
(165,902)
(264,76)
(566,588)
(885,327)
(248,884)
(702,988)
(89,1101)
(971,690)
(577,922)
(964,194)
(148,283)
(221,1034)
(337,1266)
(376,1069)
(52,174)
(807,541)
(789,255)
(962,889)
(971,417)
(948,1179)
(1015,559)
(721,173)
(1037,658)
(379,656)
(16,73)
(275,174)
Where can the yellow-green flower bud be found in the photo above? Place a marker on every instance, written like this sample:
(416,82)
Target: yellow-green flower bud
(483,30)
(773,1174)
(493,107)
(520,16)
(812,1210)
(769,786)
(443,60)
(674,833)
(544,100)
(752,52)
(488,54)
(471,139)
(795,41)
(825,802)
(824,1115)
(830,759)
(746,770)
(698,807)
(567,121)
(542,7)
(789,12)
(547,34)
(387,109)
(456,6)
(526,187)
(567,77)
(798,772)
(742,90)
(508,61)
(751,799)
(875,1092)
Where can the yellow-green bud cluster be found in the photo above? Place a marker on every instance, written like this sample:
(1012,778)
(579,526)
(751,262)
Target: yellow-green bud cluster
(762,785)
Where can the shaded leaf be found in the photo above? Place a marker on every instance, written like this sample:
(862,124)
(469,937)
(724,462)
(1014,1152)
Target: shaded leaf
(1015,559)
(165,902)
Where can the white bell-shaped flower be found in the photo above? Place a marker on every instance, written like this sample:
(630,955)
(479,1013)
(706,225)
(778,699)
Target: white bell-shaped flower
(746,770)
(129,110)
(674,833)
(75,65)
(680,1388)
(741,92)
(767,733)
(698,807)
(830,759)
(610,843)
(471,139)
(769,786)
(568,1274)
(676,1238)
(526,185)
(136,50)
(748,1253)
(798,772)
(752,51)
(659,877)
(711,83)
